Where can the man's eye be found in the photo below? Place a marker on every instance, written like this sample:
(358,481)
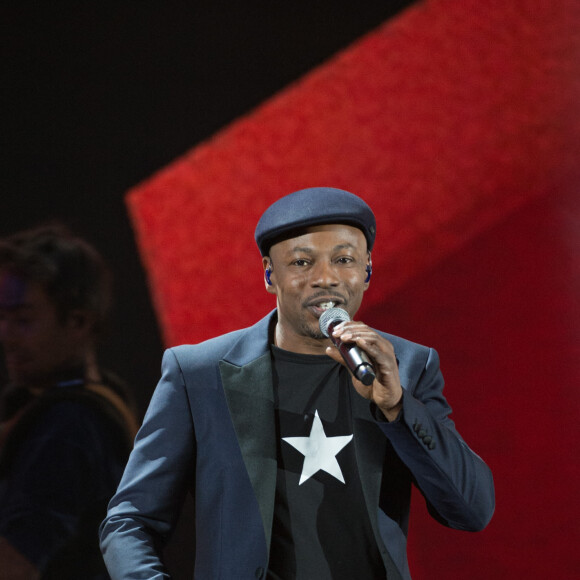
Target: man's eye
(345,260)
(300,262)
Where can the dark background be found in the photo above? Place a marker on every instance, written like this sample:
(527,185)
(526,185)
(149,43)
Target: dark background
(96,97)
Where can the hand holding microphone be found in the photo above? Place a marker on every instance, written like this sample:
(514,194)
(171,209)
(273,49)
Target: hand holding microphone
(356,360)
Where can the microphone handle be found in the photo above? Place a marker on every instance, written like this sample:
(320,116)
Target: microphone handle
(356,360)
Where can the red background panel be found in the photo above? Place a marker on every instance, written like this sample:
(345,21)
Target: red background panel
(504,314)
(459,123)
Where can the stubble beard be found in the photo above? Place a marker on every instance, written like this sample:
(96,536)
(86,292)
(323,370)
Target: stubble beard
(310,330)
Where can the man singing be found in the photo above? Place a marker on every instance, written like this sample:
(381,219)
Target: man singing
(298,469)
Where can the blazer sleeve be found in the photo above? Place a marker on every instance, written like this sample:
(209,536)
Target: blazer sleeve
(143,512)
(455,481)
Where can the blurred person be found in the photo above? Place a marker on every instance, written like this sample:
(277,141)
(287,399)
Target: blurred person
(299,470)
(66,425)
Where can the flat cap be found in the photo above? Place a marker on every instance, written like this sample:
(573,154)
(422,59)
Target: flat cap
(311,207)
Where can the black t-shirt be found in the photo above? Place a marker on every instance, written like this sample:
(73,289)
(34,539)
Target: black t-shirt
(321,526)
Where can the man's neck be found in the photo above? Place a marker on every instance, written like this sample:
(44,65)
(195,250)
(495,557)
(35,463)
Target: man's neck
(299,344)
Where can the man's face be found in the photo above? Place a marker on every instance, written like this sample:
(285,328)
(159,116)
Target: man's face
(325,264)
(36,343)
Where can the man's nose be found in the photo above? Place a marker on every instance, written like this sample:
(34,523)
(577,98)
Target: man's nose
(324,275)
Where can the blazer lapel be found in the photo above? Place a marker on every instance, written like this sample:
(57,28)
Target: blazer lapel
(250,397)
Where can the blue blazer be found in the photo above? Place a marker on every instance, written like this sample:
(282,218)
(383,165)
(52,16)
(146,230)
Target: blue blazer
(209,430)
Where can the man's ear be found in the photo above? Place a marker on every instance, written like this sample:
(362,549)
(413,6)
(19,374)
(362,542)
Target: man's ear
(267,265)
(368,271)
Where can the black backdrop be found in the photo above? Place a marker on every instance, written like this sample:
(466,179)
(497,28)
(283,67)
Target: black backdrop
(97,96)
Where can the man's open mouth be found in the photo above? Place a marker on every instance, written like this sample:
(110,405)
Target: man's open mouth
(319,307)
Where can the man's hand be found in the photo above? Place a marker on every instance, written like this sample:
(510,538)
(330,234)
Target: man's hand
(386,391)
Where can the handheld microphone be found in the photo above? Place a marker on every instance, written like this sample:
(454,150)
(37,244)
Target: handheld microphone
(356,360)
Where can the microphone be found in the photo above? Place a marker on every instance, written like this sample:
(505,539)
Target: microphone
(356,359)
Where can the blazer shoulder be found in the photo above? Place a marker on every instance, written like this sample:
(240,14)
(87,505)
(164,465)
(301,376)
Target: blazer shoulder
(413,359)
(407,347)
(213,349)
(239,347)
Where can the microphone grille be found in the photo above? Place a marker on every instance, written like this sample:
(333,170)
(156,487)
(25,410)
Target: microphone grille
(331,315)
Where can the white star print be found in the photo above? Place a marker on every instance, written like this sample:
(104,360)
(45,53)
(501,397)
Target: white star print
(319,451)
